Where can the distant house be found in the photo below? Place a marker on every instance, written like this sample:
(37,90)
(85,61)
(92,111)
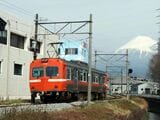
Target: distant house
(145,88)
(74,50)
(148,88)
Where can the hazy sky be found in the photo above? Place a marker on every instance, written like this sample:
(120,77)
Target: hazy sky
(114,21)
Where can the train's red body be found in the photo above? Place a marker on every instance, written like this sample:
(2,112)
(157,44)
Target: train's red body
(57,79)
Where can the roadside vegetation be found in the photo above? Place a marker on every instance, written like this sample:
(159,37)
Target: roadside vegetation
(119,109)
(11,102)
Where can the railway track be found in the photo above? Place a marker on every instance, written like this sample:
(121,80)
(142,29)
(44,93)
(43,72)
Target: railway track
(38,107)
(11,109)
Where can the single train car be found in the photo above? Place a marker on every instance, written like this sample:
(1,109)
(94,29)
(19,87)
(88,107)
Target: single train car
(55,79)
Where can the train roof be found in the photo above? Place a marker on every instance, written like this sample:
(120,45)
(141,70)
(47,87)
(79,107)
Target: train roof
(75,63)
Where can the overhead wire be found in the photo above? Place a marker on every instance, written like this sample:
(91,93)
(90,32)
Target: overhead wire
(16,8)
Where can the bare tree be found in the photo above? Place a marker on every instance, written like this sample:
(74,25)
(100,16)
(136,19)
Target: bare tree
(154,68)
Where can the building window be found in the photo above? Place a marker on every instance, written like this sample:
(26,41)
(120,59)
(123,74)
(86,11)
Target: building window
(3,37)
(0,67)
(17,41)
(17,69)
(71,51)
(38,48)
(83,52)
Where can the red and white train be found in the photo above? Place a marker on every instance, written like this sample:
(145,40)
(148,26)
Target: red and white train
(55,79)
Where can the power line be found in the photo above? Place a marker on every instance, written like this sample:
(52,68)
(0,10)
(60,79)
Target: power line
(16,8)
(27,11)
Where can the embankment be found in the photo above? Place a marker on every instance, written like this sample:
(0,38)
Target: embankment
(119,109)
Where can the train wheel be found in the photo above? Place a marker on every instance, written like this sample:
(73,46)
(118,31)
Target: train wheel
(33,95)
(80,97)
(43,99)
(101,96)
(74,96)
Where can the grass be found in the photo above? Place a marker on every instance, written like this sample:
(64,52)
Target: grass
(11,102)
(120,109)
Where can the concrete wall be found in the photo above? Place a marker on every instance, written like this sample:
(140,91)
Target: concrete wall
(17,86)
(14,86)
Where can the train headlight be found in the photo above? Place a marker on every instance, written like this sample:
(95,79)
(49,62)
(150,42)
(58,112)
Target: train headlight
(44,60)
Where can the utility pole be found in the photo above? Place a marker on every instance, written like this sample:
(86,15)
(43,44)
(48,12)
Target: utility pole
(35,41)
(127,79)
(90,60)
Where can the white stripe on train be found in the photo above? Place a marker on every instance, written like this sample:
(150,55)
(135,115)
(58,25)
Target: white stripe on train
(57,80)
(35,81)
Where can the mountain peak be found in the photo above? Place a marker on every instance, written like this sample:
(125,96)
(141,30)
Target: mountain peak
(143,44)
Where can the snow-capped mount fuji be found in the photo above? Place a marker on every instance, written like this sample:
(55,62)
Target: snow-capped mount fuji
(143,44)
(140,50)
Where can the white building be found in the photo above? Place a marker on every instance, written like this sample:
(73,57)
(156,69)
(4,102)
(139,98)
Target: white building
(117,84)
(16,56)
(74,50)
(148,88)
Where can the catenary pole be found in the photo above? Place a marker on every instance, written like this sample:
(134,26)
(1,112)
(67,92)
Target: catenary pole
(36,34)
(90,61)
(127,79)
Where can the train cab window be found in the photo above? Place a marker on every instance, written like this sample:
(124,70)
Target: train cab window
(38,72)
(69,73)
(52,71)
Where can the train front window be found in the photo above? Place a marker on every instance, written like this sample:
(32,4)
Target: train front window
(38,72)
(52,71)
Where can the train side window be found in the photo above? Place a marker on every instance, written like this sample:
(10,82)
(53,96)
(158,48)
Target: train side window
(80,75)
(87,76)
(93,77)
(73,75)
(101,79)
(69,73)
(77,74)
(84,75)
(96,78)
